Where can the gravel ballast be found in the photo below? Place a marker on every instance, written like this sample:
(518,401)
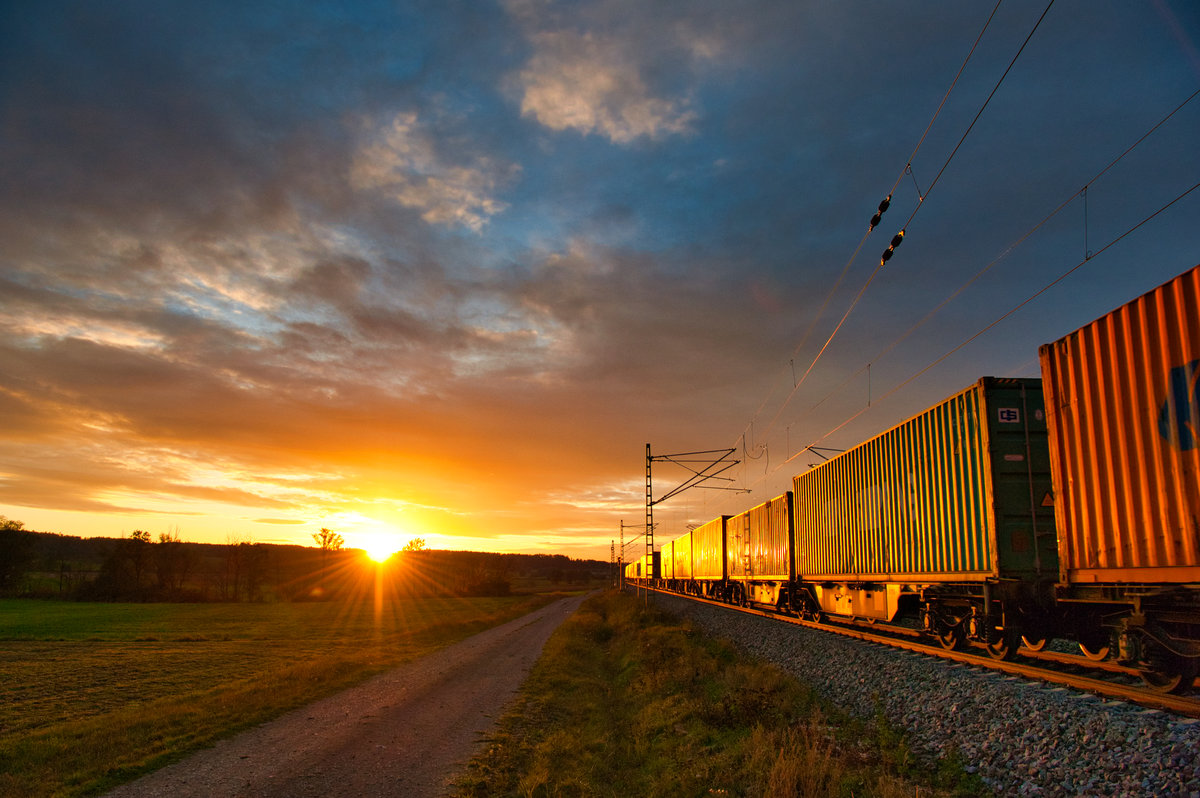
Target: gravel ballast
(1021,737)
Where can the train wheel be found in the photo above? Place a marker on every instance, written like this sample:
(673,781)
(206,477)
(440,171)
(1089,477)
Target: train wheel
(952,638)
(1033,642)
(1003,646)
(1096,653)
(1170,673)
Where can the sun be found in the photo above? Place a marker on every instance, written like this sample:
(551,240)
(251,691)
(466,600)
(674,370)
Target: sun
(380,548)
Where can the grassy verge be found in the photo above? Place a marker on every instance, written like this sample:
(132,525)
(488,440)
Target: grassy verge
(628,701)
(94,695)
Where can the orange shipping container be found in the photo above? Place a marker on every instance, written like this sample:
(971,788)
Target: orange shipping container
(1123,405)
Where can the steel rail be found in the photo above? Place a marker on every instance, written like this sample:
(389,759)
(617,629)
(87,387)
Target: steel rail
(1176,704)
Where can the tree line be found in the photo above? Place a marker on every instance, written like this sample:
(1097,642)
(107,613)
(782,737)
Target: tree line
(141,567)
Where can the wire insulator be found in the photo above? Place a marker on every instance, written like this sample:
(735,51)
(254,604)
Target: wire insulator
(891,250)
(883,206)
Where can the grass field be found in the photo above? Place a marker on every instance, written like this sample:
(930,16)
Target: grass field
(94,694)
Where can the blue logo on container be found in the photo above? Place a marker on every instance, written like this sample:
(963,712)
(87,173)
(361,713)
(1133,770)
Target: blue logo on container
(1179,418)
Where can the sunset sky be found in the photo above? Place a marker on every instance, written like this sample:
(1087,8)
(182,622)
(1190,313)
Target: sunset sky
(443,269)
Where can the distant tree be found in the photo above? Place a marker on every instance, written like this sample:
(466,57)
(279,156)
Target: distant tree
(16,552)
(328,540)
(136,553)
(173,564)
(125,568)
(255,560)
(416,544)
(234,561)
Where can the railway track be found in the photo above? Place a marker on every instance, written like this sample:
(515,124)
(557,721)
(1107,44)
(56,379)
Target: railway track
(1105,679)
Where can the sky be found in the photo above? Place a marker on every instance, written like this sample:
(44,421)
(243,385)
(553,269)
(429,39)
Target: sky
(444,269)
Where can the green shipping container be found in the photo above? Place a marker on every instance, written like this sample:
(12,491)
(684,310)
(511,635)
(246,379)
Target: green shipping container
(961,492)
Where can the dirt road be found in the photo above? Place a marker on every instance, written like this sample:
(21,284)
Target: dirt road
(404,733)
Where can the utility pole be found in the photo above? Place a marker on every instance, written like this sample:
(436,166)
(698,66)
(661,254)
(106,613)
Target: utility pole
(621,559)
(705,467)
(649,516)
(612,561)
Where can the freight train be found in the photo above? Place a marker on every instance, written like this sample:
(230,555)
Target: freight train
(1014,512)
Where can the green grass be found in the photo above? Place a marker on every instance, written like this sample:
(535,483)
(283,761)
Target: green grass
(628,701)
(92,695)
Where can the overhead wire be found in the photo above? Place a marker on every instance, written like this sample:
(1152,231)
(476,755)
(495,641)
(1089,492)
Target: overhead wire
(1006,315)
(978,114)
(883,206)
(1003,254)
(1007,251)
(898,238)
(1089,255)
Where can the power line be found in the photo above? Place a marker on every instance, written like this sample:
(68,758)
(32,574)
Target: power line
(1009,249)
(908,166)
(875,220)
(979,113)
(1088,256)
(1005,253)
(1006,315)
(883,207)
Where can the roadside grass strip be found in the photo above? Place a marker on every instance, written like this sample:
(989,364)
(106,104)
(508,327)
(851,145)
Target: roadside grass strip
(627,700)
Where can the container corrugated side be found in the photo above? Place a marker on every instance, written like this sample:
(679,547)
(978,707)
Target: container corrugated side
(708,550)
(737,545)
(682,551)
(758,541)
(1123,399)
(952,494)
(667,560)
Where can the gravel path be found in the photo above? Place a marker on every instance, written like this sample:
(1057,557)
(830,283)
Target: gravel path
(1023,738)
(403,733)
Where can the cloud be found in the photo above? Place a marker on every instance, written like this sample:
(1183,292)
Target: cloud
(401,158)
(332,259)
(592,84)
